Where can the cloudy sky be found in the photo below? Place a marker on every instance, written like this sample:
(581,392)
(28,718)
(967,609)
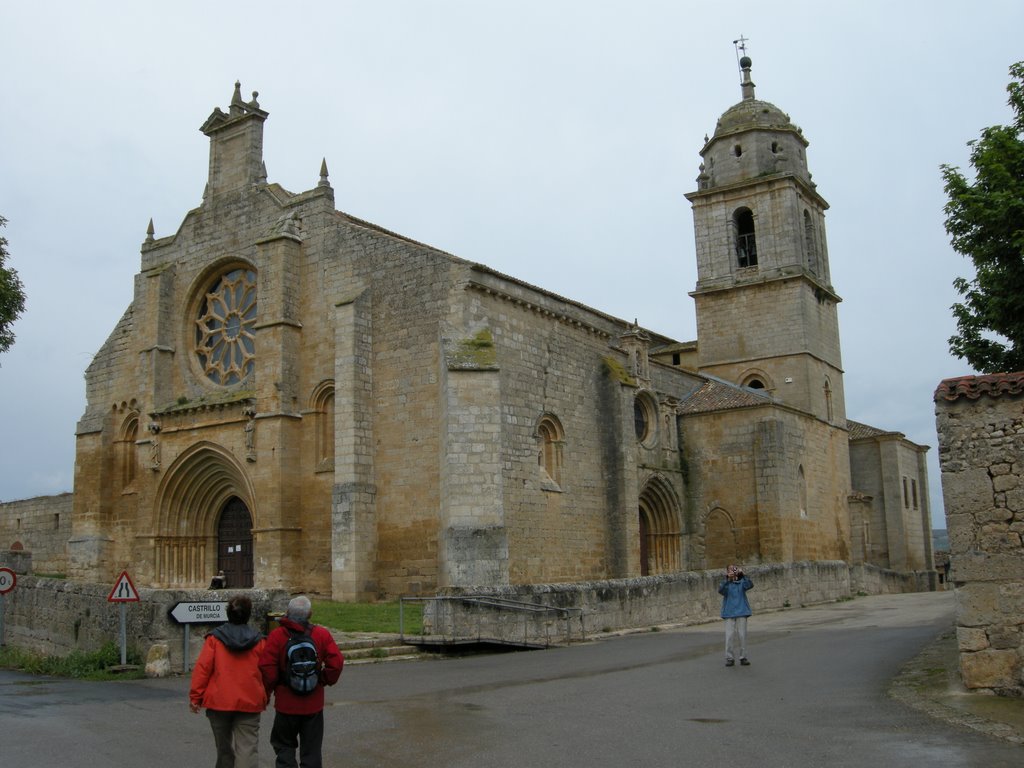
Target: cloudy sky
(553,141)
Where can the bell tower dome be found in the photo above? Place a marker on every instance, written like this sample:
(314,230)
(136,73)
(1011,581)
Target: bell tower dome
(766,309)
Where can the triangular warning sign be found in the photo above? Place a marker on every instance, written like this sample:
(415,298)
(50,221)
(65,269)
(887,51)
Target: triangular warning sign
(124,591)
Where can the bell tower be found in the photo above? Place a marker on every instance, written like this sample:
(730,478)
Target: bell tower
(766,309)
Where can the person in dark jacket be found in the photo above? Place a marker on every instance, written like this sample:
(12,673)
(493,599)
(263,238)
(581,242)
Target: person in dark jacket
(227,681)
(298,717)
(735,611)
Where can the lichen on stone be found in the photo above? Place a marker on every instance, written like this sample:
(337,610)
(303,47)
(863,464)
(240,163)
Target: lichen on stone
(477,353)
(617,372)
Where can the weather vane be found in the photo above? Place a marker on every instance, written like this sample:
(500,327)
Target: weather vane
(741,48)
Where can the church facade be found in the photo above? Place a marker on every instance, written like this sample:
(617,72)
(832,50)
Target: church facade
(308,401)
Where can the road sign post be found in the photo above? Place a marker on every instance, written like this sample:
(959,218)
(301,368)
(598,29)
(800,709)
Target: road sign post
(197,612)
(7,582)
(124,592)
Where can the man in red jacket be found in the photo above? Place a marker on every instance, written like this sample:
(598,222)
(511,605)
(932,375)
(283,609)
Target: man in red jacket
(299,717)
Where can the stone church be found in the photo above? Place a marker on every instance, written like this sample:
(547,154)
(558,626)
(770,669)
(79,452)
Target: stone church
(307,400)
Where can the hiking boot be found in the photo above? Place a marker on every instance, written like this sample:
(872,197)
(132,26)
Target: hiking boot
(744,662)
(730,662)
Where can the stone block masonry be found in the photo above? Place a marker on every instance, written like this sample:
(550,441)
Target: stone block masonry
(36,531)
(980,424)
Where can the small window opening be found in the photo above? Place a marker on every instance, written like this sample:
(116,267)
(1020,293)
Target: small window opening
(675,358)
(802,481)
(737,150)
(549,455)
(746,242)
(645,420)
(755,384)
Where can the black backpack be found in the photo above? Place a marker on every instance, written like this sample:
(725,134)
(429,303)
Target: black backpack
(301,662)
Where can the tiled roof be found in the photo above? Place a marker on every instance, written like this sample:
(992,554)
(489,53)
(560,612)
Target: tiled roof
(719,396)
(860,431)
(973,387)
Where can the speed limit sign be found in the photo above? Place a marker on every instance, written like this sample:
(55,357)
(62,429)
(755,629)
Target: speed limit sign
(7,580)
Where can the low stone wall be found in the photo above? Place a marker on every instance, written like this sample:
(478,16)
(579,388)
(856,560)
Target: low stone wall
(56,617)
(870,580)
(679,598)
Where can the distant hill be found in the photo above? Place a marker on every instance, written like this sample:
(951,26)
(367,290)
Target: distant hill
(940,540)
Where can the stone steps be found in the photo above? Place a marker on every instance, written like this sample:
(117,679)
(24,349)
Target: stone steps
(370,648)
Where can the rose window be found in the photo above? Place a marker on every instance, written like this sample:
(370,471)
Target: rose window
(225,336)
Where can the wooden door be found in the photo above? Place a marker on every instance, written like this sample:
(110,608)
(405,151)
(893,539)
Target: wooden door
(234,544)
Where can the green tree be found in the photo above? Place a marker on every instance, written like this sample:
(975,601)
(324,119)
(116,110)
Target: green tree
(12,295)
(985,221)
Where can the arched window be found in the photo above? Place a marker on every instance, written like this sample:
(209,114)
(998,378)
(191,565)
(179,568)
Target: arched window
(755,378)
(322,406)
(550,439)
(828,400)
(810,244)
(746,243)
(128,458)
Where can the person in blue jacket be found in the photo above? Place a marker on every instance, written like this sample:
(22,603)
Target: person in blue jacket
(735,610)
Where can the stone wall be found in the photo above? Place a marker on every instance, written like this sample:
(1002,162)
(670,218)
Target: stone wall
(871,580)
(779,479)
(980,425)
(53,616)
(41,527)
(679,598)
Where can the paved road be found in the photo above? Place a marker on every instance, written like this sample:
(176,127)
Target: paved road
(814,695)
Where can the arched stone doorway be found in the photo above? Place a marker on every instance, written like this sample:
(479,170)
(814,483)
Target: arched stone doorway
(660,538)
(234,543)
(204,505)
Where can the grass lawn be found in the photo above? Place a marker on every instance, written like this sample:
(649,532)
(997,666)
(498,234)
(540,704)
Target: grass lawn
(367,617)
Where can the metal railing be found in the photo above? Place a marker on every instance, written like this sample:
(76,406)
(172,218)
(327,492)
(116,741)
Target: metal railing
(453,620)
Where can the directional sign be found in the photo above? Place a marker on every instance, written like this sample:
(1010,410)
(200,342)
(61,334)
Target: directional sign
(200,613)
(124,591)
(7,580)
